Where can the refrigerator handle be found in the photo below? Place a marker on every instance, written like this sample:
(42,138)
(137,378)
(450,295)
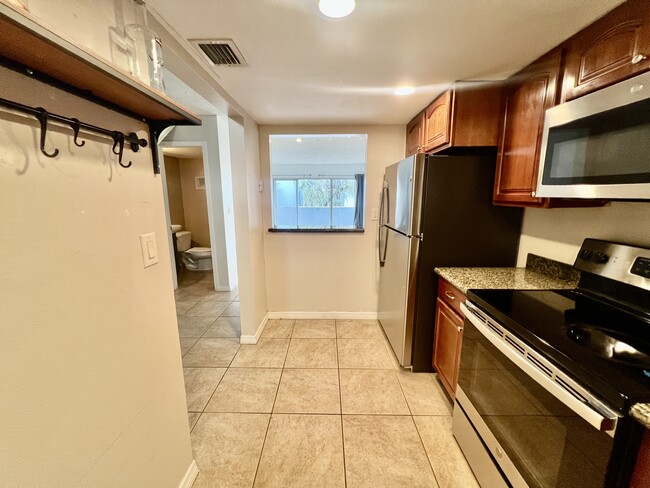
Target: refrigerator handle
(383,243)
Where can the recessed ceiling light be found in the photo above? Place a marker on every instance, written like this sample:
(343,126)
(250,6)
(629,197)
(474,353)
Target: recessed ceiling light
(404,90)
(298,140)
(336,9)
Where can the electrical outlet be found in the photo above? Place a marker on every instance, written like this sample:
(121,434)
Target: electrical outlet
(149,249)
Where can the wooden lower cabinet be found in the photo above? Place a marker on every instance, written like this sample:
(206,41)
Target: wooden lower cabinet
(447,345)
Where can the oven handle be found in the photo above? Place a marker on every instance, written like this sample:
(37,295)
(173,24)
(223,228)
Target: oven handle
(604,422)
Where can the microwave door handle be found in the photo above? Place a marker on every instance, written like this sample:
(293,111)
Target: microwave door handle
(604,422)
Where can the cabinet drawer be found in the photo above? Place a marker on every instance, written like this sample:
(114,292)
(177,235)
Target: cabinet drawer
(451,296)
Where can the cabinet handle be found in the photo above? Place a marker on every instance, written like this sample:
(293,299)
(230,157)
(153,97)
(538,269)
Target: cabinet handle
(459,328)
(636,59)
(532,194)
(450,295)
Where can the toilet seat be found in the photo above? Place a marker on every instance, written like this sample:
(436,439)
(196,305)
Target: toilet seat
(200,252)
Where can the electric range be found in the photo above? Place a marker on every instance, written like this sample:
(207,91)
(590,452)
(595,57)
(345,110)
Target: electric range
(547,377)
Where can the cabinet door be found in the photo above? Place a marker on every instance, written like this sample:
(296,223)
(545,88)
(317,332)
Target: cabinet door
(437,122)
(527,97)
(611,49)
(447,345)
(414,135)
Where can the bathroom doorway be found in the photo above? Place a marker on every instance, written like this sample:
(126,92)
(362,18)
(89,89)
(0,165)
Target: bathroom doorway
(197,185)
(207,297)
(188,214)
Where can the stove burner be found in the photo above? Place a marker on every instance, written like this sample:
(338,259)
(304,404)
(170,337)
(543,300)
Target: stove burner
(608,344)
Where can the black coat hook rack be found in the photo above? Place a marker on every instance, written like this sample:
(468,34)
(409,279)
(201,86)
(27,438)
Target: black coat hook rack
(44,117)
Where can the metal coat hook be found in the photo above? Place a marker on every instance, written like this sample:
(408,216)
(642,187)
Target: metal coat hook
(132,141)
(76,125)
(118,143)
(42,118)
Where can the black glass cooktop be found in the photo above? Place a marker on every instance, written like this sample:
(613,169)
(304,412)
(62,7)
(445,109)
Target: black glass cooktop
(602,346)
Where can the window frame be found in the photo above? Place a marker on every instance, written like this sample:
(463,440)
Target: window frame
(297,178)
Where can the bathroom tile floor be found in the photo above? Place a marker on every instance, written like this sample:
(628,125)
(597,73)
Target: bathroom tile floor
(316,403)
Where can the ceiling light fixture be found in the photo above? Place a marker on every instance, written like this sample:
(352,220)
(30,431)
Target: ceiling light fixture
(404,90)
(298,140)
(336,9)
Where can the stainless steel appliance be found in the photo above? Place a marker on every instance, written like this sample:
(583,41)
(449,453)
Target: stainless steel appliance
(547,378)
(427,204)
(598,145)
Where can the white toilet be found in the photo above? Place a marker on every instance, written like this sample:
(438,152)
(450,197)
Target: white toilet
(193,258)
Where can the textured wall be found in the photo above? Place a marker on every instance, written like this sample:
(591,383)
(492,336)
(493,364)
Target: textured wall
(174,191)
(195,204)
(92,383)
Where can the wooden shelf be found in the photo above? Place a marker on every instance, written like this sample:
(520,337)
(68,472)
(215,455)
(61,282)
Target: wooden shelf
(24,41)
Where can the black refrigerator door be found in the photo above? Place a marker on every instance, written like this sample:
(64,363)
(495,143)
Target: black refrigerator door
(460,228)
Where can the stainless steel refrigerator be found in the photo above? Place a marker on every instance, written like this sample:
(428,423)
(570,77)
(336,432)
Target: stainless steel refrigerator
(435,211)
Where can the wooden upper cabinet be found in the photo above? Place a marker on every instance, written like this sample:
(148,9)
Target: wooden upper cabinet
(437,122)
(527,96)
(465,116)
(611,49)
(415,135)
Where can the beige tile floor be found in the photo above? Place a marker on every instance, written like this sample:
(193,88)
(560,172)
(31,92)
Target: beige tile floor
(316,403)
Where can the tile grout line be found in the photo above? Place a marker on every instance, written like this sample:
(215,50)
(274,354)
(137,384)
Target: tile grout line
(268,426)
(209,367)
(338,370)
(426,453)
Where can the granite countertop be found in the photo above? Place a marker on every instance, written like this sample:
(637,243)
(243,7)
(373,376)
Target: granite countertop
(641,413)
(504,278)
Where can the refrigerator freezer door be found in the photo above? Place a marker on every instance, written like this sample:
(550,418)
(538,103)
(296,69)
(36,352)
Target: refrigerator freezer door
(393,285)
(388,197)
(404,195)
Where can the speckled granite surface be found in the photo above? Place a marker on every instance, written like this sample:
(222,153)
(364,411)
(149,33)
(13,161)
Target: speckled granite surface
(502,278)
(552,268)
(540,273)
(641,413)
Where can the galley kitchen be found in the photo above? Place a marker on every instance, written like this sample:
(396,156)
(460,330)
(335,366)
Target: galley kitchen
(337,243)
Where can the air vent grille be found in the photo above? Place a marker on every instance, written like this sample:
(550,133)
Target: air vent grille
(220,52)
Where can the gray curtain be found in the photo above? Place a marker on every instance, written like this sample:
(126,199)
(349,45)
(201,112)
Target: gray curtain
(358,207)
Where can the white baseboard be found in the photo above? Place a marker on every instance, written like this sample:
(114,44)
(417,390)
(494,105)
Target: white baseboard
(323,315)
(252,339)
(190,475)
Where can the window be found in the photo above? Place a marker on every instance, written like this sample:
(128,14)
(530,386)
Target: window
(318,181)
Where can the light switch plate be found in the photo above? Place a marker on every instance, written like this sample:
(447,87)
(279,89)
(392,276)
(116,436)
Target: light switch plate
(149,249)
(375,214)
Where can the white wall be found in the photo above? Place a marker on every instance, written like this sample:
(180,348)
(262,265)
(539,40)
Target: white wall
(91,386)
(558,233)
(225,164)
(249,226)
(328,272)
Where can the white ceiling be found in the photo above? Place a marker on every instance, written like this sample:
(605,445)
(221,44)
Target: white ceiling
(191,152)
(306,69)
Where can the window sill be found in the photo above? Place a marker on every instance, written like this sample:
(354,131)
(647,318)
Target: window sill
(318,231)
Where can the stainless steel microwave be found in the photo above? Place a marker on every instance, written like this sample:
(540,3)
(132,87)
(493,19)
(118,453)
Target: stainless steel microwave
(598,146)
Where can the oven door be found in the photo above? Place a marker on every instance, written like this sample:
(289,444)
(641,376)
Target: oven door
(539,437)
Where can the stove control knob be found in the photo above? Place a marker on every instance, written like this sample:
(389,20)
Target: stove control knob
(586,254)
(601,258)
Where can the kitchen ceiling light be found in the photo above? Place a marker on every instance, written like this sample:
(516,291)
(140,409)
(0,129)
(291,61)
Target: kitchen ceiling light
(336,9)
(404,90)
